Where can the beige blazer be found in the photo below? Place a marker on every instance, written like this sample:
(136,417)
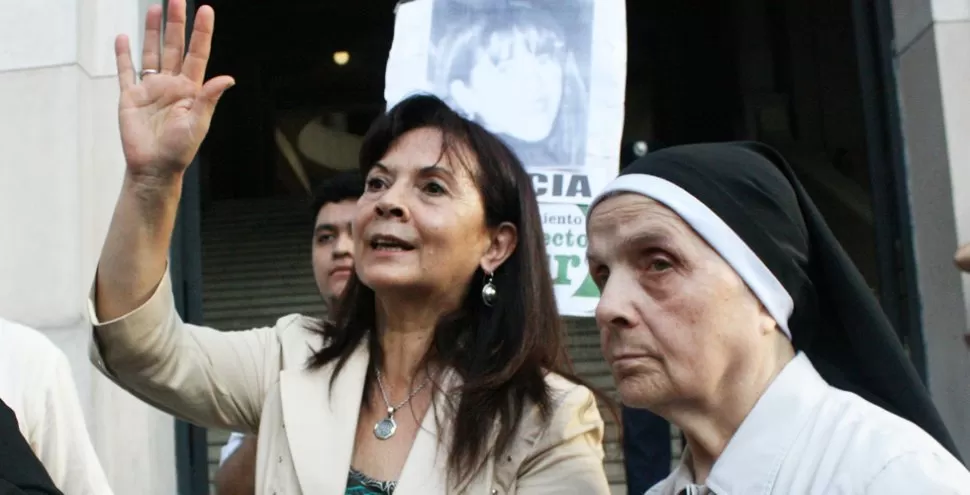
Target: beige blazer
(256,381)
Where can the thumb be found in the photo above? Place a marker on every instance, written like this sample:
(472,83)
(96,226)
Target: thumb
(211,92)
(962,257)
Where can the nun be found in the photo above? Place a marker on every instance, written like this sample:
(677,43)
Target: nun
(728,308)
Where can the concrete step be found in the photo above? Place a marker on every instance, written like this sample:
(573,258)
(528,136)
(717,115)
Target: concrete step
(585,338)
(214,288)
(257,233)
(602,382)
(267,265)
(615,472)
(282,274)
(242,318)
(585,353)
(590,367)
(255,240)
(301,255)
(230,208)
(310,299)
(233,291)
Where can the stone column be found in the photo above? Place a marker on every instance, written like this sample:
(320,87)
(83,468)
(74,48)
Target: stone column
(933,72)
(60,176)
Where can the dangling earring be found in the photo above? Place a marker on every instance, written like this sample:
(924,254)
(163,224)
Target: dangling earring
(489,292)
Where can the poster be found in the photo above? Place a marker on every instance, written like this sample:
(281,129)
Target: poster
(548,77)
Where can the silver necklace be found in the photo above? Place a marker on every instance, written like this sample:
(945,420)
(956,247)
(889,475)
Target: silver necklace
(386,427)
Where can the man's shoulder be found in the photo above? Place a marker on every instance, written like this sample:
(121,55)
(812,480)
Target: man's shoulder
(300,333)
(19,341)
(30,366)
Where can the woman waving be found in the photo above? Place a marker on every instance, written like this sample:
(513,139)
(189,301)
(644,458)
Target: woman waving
(444,370)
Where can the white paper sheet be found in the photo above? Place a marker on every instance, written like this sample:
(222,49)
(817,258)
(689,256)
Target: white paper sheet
(549,78)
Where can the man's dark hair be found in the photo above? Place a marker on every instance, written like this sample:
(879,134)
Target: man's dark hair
(340,187)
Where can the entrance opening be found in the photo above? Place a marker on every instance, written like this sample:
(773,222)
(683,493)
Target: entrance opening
(811,79)
(784,73)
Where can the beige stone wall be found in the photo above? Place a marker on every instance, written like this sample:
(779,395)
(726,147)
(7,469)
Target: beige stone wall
(61,170)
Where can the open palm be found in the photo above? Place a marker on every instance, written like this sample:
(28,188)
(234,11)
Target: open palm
(165,117)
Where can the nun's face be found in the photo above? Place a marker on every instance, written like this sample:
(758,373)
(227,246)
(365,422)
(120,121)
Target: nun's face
(676,322)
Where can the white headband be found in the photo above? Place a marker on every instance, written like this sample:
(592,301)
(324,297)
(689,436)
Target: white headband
(722,238)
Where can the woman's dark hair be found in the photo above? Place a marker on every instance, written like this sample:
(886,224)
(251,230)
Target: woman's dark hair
(501,352)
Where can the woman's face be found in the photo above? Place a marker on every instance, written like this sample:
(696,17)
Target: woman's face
(516,86)
(676,321)
(420,228)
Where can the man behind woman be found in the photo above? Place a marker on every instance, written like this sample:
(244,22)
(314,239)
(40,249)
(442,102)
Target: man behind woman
(332,261)
(442,371)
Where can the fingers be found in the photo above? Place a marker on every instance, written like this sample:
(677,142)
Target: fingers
(153,31)
(126,72)
(174,38)
(214,88)
(211,92)
(200,45)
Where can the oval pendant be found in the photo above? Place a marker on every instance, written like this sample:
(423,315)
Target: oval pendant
(385,428)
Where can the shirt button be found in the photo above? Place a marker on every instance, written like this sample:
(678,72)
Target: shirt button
(281,459)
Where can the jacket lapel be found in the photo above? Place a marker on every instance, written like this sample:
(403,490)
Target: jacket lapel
(321,423)
(426,469)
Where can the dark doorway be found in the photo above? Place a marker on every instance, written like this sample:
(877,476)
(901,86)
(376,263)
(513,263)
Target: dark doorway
(282,60)
(813,79)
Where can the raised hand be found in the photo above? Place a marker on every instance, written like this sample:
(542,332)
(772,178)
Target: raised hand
(166,115)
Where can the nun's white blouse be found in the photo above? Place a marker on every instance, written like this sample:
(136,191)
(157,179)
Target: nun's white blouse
(806,437)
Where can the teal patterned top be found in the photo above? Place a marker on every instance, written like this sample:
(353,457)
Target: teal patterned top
(360,484)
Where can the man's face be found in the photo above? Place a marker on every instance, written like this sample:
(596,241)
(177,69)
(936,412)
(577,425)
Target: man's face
(333,247)
(676,321)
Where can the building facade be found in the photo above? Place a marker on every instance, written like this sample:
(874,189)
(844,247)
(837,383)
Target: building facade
(63,167)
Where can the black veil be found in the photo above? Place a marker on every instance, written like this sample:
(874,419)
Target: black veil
(837,321)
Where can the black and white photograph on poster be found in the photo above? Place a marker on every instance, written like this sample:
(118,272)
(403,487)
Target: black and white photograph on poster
(520,69)
(546,76)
